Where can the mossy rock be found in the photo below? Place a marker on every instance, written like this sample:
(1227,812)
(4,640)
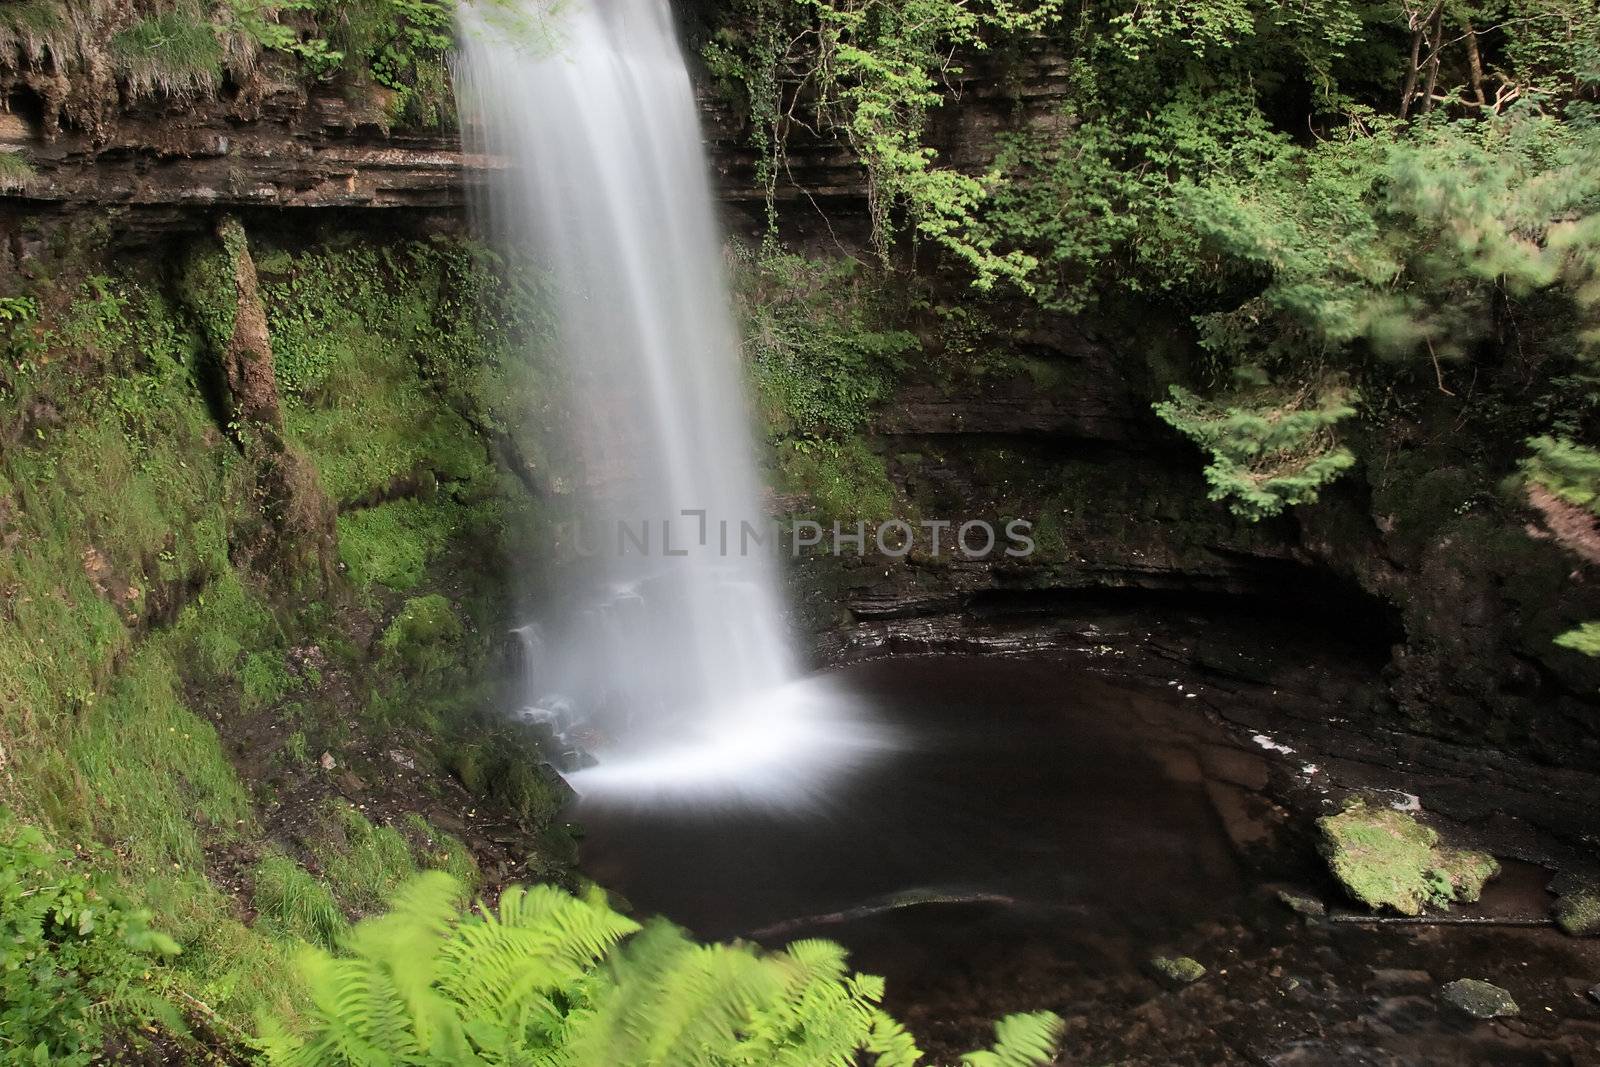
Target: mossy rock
(1578,911)
(1176,971)
(1479,999)
(422,636)
(1386,859)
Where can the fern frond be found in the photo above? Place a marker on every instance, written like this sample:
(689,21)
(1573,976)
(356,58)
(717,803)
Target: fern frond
(891,1043)
(503,966)
(550,980)
(1021,1040)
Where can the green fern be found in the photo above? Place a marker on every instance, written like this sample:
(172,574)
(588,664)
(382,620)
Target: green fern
(546,979)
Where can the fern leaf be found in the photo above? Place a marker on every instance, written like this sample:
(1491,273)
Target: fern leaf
(1022,1040)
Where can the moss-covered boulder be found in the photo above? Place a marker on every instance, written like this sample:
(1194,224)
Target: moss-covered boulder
(422,637)
(1386,859)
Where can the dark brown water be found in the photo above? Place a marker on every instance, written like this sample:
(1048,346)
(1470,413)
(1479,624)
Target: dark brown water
(1018,785)
(1041,835)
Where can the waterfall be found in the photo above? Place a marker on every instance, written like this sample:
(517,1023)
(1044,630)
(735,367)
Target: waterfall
(674,650)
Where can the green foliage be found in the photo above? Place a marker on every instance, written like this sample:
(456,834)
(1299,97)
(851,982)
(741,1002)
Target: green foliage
(1323,205)
(258,21)
(845,479)
(393,543)
(1584,639)
(436,850)
(869,72)
(362,864)
(1270,447)
(436,329)
(264,678)
(822,358)
(550,978)
(422,639)
(1569,470)
(289,899)
(176,53)
(15,173)
(75,957)
(397,44)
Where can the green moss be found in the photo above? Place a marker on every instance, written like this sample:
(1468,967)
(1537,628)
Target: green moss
(1177,971)
(264,678)
(393,543)
(1385,858)
(498,766)
(844,480)
(422,639)
(1577,912)
(438,850)
(292,902)
(128,634)
(1479,999)
(822,354)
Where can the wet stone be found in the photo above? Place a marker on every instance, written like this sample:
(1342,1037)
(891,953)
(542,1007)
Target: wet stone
(1578,912)
(1479,999)
(1302,903)
(1176,971)
(1386,859)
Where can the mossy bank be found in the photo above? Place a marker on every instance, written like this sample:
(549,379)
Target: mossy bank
(248,683)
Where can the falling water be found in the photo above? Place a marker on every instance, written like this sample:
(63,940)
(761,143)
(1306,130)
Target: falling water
(674,657)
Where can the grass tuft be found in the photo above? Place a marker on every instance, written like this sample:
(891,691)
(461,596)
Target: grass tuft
(291,901)
(173,54)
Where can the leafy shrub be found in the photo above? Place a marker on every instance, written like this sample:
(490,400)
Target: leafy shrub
(822,357)
(74,957)
(545,977)
(1569,470)
(1270,447)
(1584,638)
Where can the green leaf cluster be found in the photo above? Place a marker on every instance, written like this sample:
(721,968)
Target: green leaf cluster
(74,956)
(544,977)
(1270,446)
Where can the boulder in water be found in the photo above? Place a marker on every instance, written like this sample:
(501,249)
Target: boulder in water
(1577,909)
(1386,859)
(1175,972)
(1479,999)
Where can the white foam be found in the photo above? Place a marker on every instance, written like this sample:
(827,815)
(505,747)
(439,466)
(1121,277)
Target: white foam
(783,748)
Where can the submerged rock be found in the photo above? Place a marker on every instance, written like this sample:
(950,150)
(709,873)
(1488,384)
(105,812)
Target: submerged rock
(1302,903)
(1176,971)
(1479,999)
(1385,858)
